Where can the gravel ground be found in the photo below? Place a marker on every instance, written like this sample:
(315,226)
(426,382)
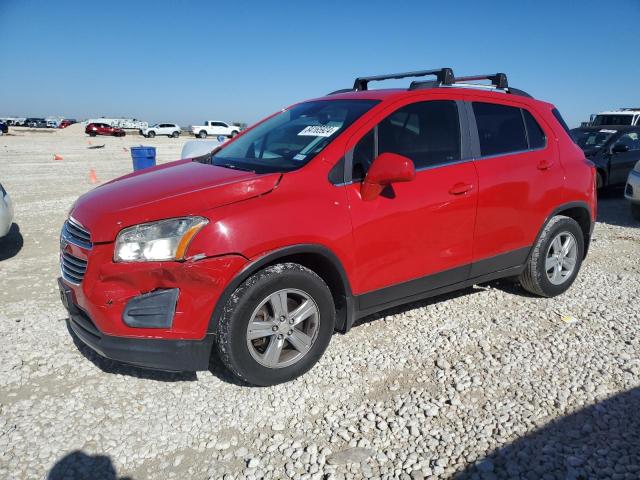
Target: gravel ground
(485,383)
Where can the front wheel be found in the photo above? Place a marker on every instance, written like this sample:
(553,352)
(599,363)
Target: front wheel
(233,134)
(202,134)
(276,325)
(555,259)
(92,134)
(175,134)
(151,134)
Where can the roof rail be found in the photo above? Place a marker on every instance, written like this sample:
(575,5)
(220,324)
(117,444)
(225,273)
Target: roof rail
(342,90)
(444,76)
(498,80)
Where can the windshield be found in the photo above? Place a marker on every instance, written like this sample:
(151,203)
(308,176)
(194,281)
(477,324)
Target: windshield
(290,139)
(612,120)
(590,139)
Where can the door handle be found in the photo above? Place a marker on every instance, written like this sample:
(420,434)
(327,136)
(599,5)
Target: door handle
(460,188)
(544,165)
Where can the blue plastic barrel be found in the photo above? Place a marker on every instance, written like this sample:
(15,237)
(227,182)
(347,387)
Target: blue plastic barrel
(143,157)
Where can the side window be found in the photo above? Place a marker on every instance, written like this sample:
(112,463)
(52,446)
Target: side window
(500,129)
(631,140)
(426,132)
(535,134)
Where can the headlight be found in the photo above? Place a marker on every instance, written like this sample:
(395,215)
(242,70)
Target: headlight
(637,167)
(157,241)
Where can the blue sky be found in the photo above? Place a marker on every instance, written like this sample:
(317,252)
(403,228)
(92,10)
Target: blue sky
(186,61)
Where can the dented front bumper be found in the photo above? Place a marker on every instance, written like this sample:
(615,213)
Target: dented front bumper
(107,288)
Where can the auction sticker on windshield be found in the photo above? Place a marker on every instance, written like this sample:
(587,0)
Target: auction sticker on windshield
(318,131)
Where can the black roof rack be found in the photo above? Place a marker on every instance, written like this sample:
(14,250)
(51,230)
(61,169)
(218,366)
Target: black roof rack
(444,75)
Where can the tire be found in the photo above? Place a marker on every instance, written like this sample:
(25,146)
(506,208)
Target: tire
(92,134)
(175,134)
(536,278)
(635,211)
(243,356)
(233,134)
(202,134)
(599,181)
(151,134)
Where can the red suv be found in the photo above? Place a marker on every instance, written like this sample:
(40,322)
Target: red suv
(94,129)
(328,211)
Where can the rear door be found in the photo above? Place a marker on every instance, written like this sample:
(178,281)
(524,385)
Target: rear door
(622,163)
(520,182)
(416,236)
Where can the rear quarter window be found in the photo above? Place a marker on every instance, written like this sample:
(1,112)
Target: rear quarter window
(535,134)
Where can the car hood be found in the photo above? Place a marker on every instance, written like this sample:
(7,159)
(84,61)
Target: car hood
(171,190)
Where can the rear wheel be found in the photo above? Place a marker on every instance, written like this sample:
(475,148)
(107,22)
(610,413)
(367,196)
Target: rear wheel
(233,134)
(92,134)
(555,259)
(635,211)
(175,134)
(202,134)
(151,134)
(276,325)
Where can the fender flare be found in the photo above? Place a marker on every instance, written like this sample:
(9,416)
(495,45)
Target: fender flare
(345,307)
(561,208)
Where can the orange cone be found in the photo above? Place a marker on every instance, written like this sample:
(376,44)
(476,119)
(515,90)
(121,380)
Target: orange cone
(92,176)
(57,157)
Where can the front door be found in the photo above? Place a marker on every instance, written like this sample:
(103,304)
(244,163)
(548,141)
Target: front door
(416,236)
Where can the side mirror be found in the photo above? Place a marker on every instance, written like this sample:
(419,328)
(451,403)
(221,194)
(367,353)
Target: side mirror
(620,148)
(386,169)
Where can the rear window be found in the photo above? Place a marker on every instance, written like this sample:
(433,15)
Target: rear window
(623,119)
(500,129)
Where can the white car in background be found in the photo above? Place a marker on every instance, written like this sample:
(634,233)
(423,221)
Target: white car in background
(215,128)
(168,129)
(6,212)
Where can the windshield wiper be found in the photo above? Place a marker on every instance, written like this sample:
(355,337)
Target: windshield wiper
(234,167)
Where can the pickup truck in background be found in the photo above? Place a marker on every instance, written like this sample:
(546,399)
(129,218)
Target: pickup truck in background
(215,128)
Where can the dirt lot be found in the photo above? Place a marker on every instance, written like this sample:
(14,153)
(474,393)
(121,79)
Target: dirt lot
(486,383)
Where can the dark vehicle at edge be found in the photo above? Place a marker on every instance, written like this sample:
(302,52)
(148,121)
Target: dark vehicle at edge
(4,128)
(614,149)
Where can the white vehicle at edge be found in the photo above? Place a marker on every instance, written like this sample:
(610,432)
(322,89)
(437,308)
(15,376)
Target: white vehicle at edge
(632,191)
(6,212)
(215,128)
(621,116)
(168,129)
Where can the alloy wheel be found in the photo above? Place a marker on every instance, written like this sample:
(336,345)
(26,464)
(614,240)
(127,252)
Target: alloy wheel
(283,328)
(561,258)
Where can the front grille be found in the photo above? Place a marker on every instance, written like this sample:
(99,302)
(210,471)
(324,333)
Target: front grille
(629,190)
(73,268)
(73,232)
